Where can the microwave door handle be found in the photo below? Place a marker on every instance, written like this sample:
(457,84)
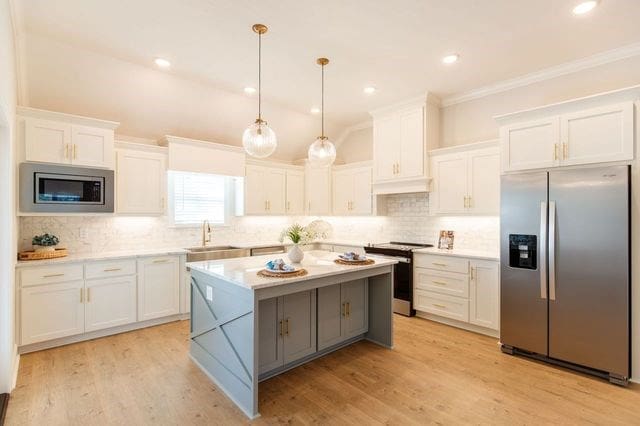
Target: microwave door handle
(543,249)
(552,250)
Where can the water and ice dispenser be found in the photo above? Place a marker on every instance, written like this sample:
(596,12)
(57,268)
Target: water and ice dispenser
(523,251)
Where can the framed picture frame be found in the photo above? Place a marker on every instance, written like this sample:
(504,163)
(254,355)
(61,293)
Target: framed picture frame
(445,241)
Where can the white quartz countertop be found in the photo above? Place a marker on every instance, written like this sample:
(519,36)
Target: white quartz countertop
(243,271)
(81,257)
(474,254)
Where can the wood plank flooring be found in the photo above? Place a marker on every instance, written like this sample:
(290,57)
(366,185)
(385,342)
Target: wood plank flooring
(435,375)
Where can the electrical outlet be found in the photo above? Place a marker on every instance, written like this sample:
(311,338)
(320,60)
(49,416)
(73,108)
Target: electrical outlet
(210,293)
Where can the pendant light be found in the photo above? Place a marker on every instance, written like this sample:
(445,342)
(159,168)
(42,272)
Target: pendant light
(322,152)
(258,139)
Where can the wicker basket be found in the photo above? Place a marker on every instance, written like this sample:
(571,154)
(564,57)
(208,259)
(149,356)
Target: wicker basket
(40,255)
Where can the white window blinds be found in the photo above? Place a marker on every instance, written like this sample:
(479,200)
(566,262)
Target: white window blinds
(198,196)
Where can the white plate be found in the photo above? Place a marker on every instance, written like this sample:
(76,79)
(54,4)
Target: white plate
(278,271)
(345,259)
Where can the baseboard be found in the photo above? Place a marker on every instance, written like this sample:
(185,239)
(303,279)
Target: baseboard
(33,347)
(16,367)
(458,324)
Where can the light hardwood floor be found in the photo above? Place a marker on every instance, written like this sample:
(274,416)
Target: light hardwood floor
(435,375)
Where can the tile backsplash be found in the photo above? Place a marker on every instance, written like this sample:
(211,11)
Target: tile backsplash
(407,220)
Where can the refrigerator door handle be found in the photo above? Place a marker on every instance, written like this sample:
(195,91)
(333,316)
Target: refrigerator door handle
(543,249)
(552,250)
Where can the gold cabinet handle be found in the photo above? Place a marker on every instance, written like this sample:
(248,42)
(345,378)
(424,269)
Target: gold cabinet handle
(113,269)
(161,261)
(439,282)
(162,203)
(52,275)
(398,167)
(437,305)
(281,328)
(438,264)
(348,309)
(565,151)
(344,309)
(287,329)
(82,295)
(288,205)
(75,148)
(555,151)
(469,201)
(88,294)
(66,150)
(471,270)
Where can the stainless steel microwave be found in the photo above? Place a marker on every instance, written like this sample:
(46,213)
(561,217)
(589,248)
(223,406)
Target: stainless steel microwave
(50,188)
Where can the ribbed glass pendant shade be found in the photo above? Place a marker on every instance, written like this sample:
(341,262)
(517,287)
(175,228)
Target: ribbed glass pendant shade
(322,152)
(259,140)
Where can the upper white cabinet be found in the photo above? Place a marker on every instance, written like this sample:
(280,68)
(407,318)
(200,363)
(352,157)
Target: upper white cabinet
(52,137)
(466,180)
(295,192)
(317,190)
(141,181)
(352,190)
(267,190)
(402,136)
(596,129)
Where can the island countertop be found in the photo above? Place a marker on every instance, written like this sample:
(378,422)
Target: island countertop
(244,271)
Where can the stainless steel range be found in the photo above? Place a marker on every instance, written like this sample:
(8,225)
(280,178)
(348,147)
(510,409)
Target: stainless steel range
(402,273)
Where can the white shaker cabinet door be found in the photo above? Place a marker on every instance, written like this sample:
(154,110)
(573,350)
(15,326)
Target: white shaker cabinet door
(363,194)
(317,190)
(598,135)
(141,182)
(254,191)
(158,287)
(47,141)
(343,192)
(412,155)
(531,145)
(51,311)
(92,147)
(484,294)
(386,136)
(450,183)
(483,181)
(295,192)
(275,191)
(110,302)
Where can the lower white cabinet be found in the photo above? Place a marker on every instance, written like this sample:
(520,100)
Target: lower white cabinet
(158,287)
(51,311)
(287,330)
(484,294)
(342,312)
(110,302)
(462,289)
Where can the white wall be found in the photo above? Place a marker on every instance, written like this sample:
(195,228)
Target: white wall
(357,146)
(8,95)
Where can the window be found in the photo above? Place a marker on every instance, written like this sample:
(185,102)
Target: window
(196,197)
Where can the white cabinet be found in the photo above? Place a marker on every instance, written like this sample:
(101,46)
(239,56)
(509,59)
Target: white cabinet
(295,192)
(158,287)
(140,182)
(110,302)
(51,311)
(317,190)
(352,190)
(576,136)
(265,190)
(402,136)
(484,294)
(51,137)
(462,289)
(466,181)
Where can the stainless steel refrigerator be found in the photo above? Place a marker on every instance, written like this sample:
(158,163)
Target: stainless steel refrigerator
(565,268)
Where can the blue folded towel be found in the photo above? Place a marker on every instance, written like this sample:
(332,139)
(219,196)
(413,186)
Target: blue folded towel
(279,265)
(352,256)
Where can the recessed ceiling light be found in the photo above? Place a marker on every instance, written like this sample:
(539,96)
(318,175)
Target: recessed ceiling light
(162,63)
(369,90)
(249,90)
(450,59)
(585,7)
(315,110)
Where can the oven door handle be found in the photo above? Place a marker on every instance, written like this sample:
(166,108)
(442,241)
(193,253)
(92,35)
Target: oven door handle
(398,258)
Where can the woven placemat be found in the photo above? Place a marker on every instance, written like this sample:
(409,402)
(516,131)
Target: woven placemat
(269,274)
(356,262)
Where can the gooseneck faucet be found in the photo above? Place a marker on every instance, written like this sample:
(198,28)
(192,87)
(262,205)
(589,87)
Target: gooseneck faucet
(206,233)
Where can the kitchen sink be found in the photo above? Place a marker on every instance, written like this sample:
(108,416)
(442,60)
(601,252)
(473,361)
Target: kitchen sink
(197,254)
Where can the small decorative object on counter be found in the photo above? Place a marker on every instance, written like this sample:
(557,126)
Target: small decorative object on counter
(298,234)
(446,240)
(353,258)
(45,242)
(278,269)
(278,265)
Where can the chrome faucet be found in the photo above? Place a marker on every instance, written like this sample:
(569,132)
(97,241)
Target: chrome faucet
(206,233)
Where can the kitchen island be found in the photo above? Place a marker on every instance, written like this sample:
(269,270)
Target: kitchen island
(246,328)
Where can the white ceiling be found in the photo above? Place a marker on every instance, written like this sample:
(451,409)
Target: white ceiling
(394,45)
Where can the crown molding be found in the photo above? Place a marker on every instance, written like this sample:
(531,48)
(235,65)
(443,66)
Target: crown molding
(23,111)
(17,27)
(426,98)
(546,74)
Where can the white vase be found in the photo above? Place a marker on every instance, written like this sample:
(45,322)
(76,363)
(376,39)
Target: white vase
(296,254)
(40,249)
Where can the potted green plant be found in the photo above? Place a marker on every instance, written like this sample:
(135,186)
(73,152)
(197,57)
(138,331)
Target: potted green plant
(297,234)
(45,242)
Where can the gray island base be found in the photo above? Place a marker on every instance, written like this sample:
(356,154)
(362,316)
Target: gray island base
(246,328)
